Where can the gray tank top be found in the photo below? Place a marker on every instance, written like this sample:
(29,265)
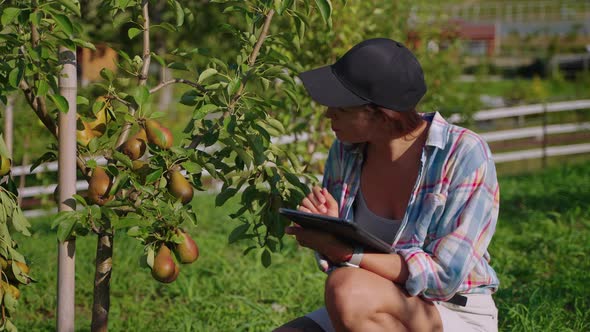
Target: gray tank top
(383,228)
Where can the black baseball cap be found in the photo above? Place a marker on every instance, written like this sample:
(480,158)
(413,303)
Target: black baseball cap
(376,71)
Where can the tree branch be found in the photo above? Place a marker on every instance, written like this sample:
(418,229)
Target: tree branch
(146,43)
(39,107)
(144,69)
(121,100)
(261,38)
(251,60)
(177,80)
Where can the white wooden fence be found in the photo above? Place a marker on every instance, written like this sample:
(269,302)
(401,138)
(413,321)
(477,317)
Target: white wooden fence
(484,115)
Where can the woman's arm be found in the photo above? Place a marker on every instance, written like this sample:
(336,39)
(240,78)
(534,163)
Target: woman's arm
(389,266)
(460,238)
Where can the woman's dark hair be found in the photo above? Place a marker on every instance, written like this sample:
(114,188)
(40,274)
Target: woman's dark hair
(408,120)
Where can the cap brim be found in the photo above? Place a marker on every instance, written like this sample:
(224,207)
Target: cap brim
(325,88)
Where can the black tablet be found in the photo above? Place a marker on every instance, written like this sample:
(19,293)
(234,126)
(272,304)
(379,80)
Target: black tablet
(346,230)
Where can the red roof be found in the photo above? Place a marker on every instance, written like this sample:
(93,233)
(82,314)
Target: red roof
(474,31)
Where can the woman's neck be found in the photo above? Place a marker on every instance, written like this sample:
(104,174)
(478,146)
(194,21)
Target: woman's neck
(399,150)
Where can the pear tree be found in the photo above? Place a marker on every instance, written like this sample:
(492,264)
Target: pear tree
(142,178)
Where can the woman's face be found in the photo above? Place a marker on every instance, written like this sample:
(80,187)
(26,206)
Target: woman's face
(352,125)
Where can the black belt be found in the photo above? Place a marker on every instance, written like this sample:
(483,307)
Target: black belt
(458,299)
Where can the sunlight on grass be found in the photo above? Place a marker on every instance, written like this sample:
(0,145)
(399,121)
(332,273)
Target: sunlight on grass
(540,252)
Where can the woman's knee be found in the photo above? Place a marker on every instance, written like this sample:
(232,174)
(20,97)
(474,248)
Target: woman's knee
(346,293)
(356,296)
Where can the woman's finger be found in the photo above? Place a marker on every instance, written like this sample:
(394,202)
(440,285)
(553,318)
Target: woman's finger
(307,204)
(317,199)
(319,195)
(314,200)
(331,203)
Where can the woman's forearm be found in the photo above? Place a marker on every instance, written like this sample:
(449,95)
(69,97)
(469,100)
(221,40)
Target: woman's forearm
(390,266)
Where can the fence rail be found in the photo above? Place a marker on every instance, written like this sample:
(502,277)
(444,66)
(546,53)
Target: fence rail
(481,116)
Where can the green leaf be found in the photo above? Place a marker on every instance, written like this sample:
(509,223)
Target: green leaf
(80,199)
(123,159)
(152,177)
(265,258)
(60,102)
(189,98)
(150,257)
(15,76)
(159,59)
(177,66)
(224,195)
(119,183)
(9,302)
(294,180)
(191,167)
(179,13)
(276,124)
(325,7)
(133,32)
(97,106)
(4,148)
(278,4)
(201,112)
(84,43)
(9,15)
(65,228)
(20,223)
(71,6)
(43,88)
(167,26)
(81,100)
(238,233)
(64,23)
(8,324)
(141,95)
(234,86)
(46,157)
(245,156)
(158,114)
(206,74)
(130,221)
(287,4)
(107,74)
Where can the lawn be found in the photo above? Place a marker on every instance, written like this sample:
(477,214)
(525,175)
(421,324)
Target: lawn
(540,252)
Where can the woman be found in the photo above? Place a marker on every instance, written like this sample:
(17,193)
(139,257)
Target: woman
(427,187)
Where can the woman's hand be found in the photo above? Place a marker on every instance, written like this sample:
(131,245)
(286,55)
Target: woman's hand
(320,201)
(325,243)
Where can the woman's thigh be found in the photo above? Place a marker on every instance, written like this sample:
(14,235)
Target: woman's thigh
(353,295)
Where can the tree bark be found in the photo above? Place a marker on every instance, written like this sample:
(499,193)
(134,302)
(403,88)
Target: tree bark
(102,282)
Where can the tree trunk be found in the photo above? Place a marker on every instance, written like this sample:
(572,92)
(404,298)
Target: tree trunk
(67,188)
(102,282)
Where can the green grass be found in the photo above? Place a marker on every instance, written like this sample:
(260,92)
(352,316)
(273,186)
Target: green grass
(540,252)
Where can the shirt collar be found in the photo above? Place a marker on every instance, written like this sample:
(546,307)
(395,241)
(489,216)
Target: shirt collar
(439,129)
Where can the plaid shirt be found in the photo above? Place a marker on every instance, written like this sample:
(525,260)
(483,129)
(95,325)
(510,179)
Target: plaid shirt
(451,215)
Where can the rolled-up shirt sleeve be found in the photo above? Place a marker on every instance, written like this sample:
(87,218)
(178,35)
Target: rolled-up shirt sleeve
(438,266)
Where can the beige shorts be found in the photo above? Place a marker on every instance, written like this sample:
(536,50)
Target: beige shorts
(480,315)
